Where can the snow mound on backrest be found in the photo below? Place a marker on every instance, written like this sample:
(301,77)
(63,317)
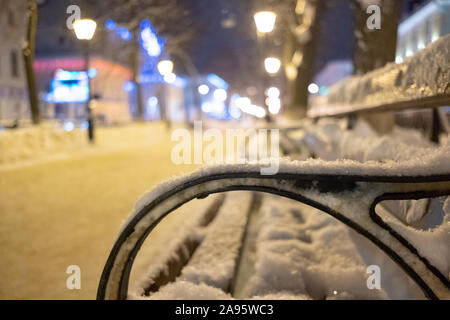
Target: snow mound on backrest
(424,75)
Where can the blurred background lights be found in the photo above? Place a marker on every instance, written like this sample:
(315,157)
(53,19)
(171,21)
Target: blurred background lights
(203,89)
(170,78)
(243,102)
(235,113)
(68,126)
(272,65)
(265,21)
(273,92)
(92,73)
(152,102)
(128,86)
(165,67)
(124,33)
(274,105)
(150,41)
(313,88)
(84,28)
(220,95)
(110,24)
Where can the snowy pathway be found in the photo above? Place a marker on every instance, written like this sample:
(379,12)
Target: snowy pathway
(69,211)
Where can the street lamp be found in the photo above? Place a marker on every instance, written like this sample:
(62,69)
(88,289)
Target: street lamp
(265,21)
(265,24)
(84,30)
(165,67)
(272,65)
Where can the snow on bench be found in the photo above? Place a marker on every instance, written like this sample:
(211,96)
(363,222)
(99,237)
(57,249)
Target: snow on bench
(422,81)
(213,263)
(346,189)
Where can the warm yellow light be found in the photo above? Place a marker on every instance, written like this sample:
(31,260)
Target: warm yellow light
(273,92)
(84,28)
(272,65)
(265,21)
(165,67)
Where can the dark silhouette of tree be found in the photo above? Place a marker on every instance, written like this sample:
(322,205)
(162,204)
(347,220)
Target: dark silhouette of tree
(375,47)
(28,51)
(171,19)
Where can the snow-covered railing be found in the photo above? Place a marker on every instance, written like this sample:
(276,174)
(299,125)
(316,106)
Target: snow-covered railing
(347,190)
(421,81)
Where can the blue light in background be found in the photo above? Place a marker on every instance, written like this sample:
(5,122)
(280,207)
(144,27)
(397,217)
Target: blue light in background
(128,86)
(110,24)
(217,81)
(124,33)
(150,41)
(92,73)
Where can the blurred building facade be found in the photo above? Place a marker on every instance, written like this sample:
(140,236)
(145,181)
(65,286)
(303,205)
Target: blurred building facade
(13,92)
(424,26)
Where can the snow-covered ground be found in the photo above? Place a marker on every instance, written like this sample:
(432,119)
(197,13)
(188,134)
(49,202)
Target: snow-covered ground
(67,209)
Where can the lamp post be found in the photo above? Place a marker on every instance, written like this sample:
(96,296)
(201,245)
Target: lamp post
(265,24)
(165,69)
(84,30)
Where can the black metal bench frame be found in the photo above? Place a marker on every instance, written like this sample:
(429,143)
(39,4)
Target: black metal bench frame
(311,189)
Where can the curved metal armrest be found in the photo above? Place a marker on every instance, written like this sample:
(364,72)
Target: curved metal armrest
(348,198)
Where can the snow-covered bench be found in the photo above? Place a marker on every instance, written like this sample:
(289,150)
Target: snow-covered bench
(420,82)
(347,190)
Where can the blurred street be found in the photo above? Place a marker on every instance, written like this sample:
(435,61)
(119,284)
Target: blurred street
(68,212)
(303,147)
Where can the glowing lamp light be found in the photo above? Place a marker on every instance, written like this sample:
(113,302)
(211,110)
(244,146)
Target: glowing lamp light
(203,89)
(165,67)
(274,105)
(313,88)
(265,21)
(272,65)
(220,95)
(243,102)
(170,78)
(273,92)
(84,28)
(258,111)
(235,113)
